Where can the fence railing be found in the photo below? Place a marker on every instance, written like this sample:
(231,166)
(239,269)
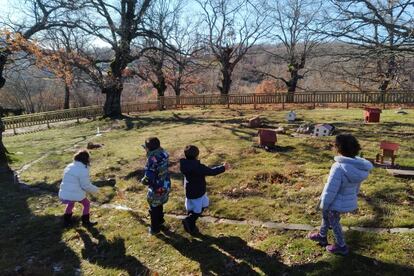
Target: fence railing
(15,122)
(316,97)
(296,98)
(28,120)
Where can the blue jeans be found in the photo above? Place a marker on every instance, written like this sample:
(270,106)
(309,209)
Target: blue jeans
(331,219)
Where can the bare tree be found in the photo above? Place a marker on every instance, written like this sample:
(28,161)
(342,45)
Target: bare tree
(293,32)
(163,19)
(186,62)
(384,24)
(164,65)
(63,43)
(232,29)
(382,31)
(116,25)
(39,15)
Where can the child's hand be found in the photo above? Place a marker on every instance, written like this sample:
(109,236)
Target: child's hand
(145,181)
(226,166)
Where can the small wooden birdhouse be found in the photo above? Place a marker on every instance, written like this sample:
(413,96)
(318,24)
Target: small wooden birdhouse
(389,150)
(323,130)
(291,116)
(267,137)
(255,122)
(372,115)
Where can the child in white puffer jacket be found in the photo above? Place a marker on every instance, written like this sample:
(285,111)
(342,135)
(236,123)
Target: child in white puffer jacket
(75,184)
(340,194)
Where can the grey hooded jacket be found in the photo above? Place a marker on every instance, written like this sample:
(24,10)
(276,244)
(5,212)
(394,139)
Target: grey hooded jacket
(341,190)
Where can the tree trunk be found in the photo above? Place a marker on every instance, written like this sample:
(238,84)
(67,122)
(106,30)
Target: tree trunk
(4,164)
(161,88)
(66,103)
(292,85)
(225,81)
(3,59)
(112,106)
(177,87)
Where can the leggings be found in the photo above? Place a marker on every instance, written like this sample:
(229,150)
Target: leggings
(331,219)
(71,204)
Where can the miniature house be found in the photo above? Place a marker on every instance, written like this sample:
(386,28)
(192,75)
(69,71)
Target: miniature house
(372,115)
(291,116)
(255,122)
(323,130)
(305,129)
(267,137)
(388,151)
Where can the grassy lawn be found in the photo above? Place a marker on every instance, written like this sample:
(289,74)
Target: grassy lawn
(281,187)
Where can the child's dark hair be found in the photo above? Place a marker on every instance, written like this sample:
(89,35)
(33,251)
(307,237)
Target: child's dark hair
(152,143)
(191,152)
(347,145)
(83,157)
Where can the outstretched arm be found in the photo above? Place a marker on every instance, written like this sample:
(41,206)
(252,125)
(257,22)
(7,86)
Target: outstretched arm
(212,171)
(86,184)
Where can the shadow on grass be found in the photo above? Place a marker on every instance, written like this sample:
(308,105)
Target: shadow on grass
(175,118)
(31,244)
(385,128)
(387,196)
(231,255)
(212,260)
(354,263)
(109,253)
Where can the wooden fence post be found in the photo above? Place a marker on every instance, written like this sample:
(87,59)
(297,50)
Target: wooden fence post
(228,100)
(314,99)
(160,102)
(347,100)
(283,101)
(204,101)
(254,101)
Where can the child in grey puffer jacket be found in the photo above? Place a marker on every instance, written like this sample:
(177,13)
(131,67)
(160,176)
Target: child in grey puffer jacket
(340,194)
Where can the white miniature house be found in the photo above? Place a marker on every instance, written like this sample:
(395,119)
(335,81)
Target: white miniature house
(323,130)
(291,116)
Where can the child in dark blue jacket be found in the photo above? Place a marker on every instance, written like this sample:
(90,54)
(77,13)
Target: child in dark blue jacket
(158,181)
(195,173)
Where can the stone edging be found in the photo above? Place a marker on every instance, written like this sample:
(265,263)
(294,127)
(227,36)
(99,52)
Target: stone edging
(272,225)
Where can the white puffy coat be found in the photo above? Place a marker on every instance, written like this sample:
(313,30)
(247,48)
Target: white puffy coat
(76,183)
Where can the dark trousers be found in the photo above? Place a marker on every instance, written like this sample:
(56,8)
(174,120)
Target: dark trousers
(157,217)
(192,218)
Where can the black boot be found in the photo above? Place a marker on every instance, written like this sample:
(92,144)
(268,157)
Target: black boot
(86,222)
(189,223)
(67,220)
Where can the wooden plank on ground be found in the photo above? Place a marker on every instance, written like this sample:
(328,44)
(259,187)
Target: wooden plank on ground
(401,173)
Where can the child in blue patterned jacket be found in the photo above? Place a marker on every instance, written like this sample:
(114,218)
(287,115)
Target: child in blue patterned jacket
(158,181)
(340,194)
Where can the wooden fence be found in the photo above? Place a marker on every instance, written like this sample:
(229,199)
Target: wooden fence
(405,97)
(314,98)
(15,122)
